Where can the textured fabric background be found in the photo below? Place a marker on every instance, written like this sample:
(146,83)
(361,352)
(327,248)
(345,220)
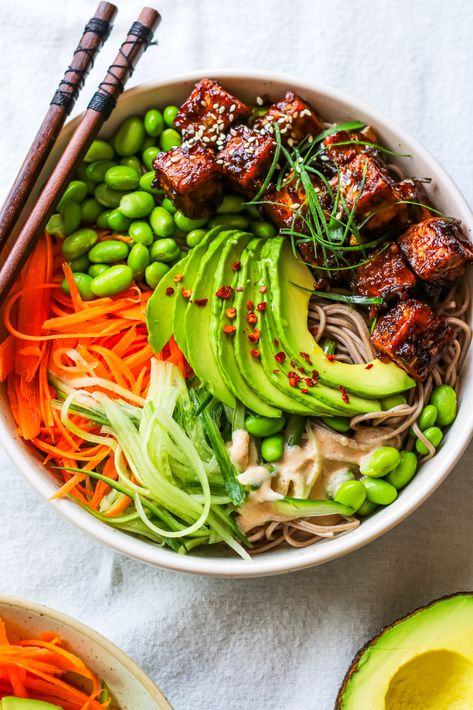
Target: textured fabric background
(278,643)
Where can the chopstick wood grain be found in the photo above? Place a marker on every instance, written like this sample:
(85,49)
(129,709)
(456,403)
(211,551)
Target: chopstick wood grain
(100,107)
(95,34)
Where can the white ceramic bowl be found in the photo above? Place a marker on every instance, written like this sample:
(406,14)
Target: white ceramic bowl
(334,106)
(132,689)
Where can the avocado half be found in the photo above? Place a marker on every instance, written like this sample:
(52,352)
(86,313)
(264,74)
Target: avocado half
(423,661)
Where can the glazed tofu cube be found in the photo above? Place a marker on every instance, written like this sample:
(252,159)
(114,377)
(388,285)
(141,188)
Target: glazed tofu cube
(437,250)
(413,336)
(413,191)
(191,178)
(386,274)
(246,158)
(367,188)
(208,113)
(344,146)
(296,119)
(281,206)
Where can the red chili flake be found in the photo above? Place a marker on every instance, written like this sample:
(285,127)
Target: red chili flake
(250,305)
(186,293)
(304,390)
(229,329)
(236,266)
(276,342)
(301,370)
(309,382)
(293,363)
(224,292)
(276,371)
(177,278)
(306,357)
(314,330)
(252,318)
(239,289)
(169,291)
(263,289)
(280,357)
(255,352)
(369,366)
(261,306)
(230,313)
(254,336)
(330,358)
(294,374)
(315,375)
(293,381)
(345,396)
(201,301)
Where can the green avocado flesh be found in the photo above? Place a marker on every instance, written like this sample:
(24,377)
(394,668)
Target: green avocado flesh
(272,364)
(422,662)
(25,704)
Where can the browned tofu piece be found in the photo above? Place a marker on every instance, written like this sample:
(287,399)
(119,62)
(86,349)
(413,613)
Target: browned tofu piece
(386,274)
(246,158)
(191,178)
(207,114)
(414,193)
(367,188)
(281,206)
(296,119)
(413,336)
(436,250)
(344,146)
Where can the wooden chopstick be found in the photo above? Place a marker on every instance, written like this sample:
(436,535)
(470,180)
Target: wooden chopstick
(95,34)
(100,107)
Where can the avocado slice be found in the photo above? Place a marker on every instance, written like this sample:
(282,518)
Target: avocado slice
(291,286)
(222,342)
(424,660)
(26,704)
(160,308)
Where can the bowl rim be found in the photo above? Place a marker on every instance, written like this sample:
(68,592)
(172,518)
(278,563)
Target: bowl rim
(301,558)
(97,638)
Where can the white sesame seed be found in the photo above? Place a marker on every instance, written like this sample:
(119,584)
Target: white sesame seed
(290,142)
(259,101)
(215,106)
(221,109)
(324,157)
(310,139)
(250,151)
(295,205)
(219,161)
(212,115)
(282,119)
(317,189)
(233,132)
(232,108)
(338,215)
(203,103)
(231,117)
(206,139)
(295,114)
(175,159)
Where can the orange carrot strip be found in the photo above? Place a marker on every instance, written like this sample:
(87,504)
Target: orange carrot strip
(67,487)
(7,357)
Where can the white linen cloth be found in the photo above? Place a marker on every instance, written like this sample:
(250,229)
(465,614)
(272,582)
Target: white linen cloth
(282,642)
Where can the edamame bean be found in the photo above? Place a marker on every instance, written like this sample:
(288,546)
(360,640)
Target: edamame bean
(83,282)
(96,269)
(428,417)
(141,232)
(230,221)
(121,177)
(253,212)
(161,222)
(96,171)
(99,150)
(108,252)
(108,197)
(79,243)
(117,221)
(352,494)
(154,122)
(55,226)
(81,264)
(146,182)
(272,448)
(264,230)
(366,508)
(137,204)
(138,259)
(130,136)
(169,138)
(155,272)
(90,211)
(380,462)
(432,434)
(194,237)
(169,114)
(168,205)
(341,424)
(132,161)
(186,223)
(149,154)
(115,280)
(102,219)
(393,401)
(148,142)
(379,491)
(71,217)
(76,191)
(82,175)
(231,204)
(405,471)
(165,250)
(264,426)
(444,398)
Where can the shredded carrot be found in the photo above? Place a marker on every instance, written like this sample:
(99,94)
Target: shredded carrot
(7,357)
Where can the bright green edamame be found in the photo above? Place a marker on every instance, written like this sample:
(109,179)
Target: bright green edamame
(169,138)
(137,204)
(366,508)
(444,398)
(108,252)
(165,250)
(132,161)
(117,221)
(272,448)
(141,232)
(71,217)
(55,226)
(432,434)
(231,204)
(130,136)
(155,272)
(393,401)
(102,219)
(404,472)
(264,426)
(138,259)
(146,181)
(380,462)
(81,264)
(90,211)
(121,177)
(194,237)
(379,491)
(230,221)
(96,269)
(428,417)
(149,154)
(352,494)
(83,282)
(99,150)
(79,243)
(169,114)
(76,191)
(168,205)
(264,230)
(154,122)
(115,280)
(340,424)
(186,223)
(162,223)
(108,197)
(96,171)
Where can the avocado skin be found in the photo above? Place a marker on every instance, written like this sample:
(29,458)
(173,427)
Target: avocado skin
(357,660)
(25,704)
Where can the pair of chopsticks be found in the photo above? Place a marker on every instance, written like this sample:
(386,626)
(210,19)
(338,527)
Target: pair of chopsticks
(99,109)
